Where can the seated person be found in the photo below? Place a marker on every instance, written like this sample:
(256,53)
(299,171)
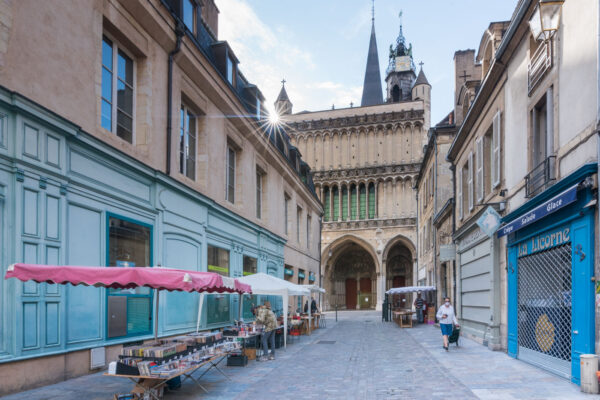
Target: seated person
(313,307)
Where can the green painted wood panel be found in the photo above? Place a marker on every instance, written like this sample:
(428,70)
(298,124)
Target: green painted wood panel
(336,204)
(371,201)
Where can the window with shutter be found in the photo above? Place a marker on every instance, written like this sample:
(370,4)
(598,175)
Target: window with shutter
(496,149)
(470,181)
(479,169)
(459,195)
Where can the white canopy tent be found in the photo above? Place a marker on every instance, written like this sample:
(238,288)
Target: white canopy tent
(264,284)
(313,289)
(410,289)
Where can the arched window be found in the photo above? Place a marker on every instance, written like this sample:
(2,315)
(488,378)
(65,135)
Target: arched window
(371,200)
(344,203)
(326,209)
(362,209)
(396,94)
(336,203)
(353,202)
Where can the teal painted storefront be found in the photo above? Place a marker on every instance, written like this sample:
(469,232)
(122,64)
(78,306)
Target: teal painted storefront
(59,187)
(558,339)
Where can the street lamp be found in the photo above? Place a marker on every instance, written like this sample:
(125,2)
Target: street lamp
(546,19)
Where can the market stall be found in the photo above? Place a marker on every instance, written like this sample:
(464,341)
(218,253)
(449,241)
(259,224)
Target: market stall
(401,315)
(264,284)
(152,364)
(318,290)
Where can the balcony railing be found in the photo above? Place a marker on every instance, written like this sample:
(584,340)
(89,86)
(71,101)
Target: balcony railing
(541,62)
(541,177)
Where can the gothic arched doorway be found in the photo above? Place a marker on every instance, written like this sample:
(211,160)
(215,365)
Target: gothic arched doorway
(351,279)
(399,273)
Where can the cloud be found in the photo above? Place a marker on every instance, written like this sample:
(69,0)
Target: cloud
(268,54)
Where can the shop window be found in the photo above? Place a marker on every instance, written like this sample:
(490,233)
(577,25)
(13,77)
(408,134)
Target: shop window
(249,265)
(129,246)
(187,143)
(117,90)
(217,305)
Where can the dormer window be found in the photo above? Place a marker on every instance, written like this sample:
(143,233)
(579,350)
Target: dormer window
(257,108)
(189,15)
(230,70)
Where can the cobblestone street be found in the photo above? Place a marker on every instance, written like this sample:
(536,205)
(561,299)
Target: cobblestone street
(359,357)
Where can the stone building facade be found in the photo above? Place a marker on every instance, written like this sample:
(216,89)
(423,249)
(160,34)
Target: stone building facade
(434,186)
(365,161)
(117,147)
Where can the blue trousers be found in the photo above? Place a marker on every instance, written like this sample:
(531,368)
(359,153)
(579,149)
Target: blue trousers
(420,315)
(270,337)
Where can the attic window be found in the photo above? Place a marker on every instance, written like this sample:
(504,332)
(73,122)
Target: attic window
(257,107)
(189,14)
(230,70)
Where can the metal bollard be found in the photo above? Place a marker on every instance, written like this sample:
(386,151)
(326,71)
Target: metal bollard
(336,313)
(589,366)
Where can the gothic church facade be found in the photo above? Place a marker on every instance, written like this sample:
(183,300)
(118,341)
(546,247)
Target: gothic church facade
(365,160)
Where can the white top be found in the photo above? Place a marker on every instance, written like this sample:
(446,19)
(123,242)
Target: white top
(450,315)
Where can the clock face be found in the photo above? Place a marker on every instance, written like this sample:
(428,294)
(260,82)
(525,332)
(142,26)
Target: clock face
(403,63)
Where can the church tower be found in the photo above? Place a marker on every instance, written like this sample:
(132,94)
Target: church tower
(283,105)
(372,92)
(401,70)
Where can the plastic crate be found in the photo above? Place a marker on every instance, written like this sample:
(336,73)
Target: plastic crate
(237,361)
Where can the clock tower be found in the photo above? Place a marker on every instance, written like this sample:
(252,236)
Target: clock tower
(400,74)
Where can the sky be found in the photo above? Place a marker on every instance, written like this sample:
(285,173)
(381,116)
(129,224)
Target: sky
(320,46)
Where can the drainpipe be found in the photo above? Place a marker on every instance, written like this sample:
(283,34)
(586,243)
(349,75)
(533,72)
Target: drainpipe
(435,269)
(179,32)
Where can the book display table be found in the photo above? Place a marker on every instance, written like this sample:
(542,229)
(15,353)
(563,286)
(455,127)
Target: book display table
(153,384)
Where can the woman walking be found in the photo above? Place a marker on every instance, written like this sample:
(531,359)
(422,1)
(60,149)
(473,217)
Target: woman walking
(447,319)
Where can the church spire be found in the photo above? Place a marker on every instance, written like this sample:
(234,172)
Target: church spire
(283,105)
(372,92)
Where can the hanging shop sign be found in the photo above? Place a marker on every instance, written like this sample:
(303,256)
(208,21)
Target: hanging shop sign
(554,204)
(490,221)
(288,271)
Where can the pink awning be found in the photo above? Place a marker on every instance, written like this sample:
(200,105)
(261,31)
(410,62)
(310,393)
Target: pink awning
(128,277)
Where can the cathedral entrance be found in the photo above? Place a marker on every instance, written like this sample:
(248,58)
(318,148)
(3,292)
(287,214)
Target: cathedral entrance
(350,278)
(399,273)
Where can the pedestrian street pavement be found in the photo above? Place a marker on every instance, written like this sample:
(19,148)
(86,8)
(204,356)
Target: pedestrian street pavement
(359,357)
